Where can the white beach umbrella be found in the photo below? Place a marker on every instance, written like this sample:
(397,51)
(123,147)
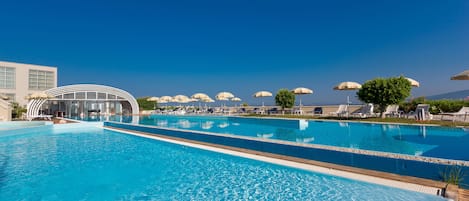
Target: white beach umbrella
(413,82)
(348,86)
(302,91)
(181,99)
(199,96)
(166,98)
(39,95)
(4,97)
(153,99)
(222,99)
(236,99)
(461,76)
(261,94)
(224,96)
(207,100)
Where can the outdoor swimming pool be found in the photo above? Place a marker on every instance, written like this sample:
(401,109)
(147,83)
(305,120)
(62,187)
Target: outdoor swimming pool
(431,141)
(85,162)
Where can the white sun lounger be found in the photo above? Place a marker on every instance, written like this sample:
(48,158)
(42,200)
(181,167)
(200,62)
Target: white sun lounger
(464,111)
(342,110)
(365,111)
(40,116)
(392,110)
(422,112)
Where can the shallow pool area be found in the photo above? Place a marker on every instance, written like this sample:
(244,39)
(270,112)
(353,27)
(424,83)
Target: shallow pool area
(21,124)
(87,162)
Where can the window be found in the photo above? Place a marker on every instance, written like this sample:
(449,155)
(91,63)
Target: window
(80,95)
(41,80)
(90,95)
(101,95)
(7,77)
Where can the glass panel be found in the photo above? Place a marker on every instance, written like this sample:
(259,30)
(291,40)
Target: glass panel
(90,95)
(101,95)
(110,96)
(69,96)
(58,97)
(80,95)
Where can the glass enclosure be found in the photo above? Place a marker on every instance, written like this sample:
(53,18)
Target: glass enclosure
(85,108)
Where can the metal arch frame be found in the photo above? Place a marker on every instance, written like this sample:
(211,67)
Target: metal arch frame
(35,105)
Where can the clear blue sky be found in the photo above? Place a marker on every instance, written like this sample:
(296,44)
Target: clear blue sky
(155,48)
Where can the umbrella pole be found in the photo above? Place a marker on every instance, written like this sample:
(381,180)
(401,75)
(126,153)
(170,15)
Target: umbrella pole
(300,104)
(348,104)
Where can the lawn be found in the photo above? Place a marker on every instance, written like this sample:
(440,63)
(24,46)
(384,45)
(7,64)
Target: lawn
(372,119)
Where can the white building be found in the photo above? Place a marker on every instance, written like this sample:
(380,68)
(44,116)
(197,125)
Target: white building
(19,80)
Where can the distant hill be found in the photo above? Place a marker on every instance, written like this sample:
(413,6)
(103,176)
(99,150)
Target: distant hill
(451,95)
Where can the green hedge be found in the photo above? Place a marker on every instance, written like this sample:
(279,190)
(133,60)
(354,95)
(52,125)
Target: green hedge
(436,106)
(143,104)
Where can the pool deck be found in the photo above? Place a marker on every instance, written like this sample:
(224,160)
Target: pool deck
(377,177)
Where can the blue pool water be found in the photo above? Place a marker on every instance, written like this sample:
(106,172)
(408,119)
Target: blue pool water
(9,125)
(431,141)
(88,163)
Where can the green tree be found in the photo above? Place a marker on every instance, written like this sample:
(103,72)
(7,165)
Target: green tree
(143,104)
(17,110)
(285,99)
(385,91)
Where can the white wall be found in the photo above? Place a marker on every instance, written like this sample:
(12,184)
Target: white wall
(22,80)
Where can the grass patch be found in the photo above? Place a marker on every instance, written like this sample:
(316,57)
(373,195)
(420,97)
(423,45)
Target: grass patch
(372,119)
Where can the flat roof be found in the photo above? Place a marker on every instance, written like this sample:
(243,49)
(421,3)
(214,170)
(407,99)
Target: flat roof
(14,64)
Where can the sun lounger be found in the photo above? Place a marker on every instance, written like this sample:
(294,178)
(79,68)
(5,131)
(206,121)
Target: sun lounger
(392,111)
(365,111)
(273,111)
(422,112)
(342,110)
(464,111)
(40,116)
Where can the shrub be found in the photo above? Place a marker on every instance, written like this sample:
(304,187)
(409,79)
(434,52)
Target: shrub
(436,106)
(385,91)
(285,98)
(453,175)
(143,104)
